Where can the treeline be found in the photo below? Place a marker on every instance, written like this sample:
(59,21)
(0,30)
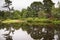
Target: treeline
(36,9)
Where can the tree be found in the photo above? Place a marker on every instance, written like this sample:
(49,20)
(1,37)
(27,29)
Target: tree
(24,13)
(7,5)
(56,11)
(31,12)
(59,6)
(36,6)
(57,15)
(41,14)
(47,7)
(1,14)
(16,14)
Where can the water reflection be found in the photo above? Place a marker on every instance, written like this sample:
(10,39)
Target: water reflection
(7,36)
(37,32)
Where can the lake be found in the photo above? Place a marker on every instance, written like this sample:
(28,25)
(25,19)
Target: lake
(29,32)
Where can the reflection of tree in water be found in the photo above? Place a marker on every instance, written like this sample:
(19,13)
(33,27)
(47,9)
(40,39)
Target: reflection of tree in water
(8,36)
(57,31)
(10,28)
(41,32)
(37,32)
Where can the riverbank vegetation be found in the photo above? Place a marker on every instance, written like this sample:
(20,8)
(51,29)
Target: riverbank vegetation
(37,12)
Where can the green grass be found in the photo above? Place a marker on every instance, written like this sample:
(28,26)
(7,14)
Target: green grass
(33,21)
(12,21)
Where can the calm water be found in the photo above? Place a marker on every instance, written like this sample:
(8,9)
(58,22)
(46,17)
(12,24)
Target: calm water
(18,35)
(27,32)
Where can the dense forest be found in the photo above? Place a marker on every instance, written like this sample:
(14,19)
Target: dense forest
(37,13)
(35,10)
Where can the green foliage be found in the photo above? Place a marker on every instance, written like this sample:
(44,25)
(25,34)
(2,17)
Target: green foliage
(41,14)
(36,6)
(31,12)
(7,4)
(56,12)
(36,9)
(48,6)
(16,14)
(1,14)
(24,13)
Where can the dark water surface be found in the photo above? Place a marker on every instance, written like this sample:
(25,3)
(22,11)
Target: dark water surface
(29,32)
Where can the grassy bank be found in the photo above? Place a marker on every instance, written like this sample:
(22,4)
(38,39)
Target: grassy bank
(32,21)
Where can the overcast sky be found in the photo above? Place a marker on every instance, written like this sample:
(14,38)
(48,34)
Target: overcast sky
(19,4)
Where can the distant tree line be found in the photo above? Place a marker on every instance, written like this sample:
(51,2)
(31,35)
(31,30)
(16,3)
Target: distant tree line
(36,9)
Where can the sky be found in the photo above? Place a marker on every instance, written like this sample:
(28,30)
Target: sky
(20,4)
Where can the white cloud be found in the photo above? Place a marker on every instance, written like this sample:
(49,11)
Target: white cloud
(22,3)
